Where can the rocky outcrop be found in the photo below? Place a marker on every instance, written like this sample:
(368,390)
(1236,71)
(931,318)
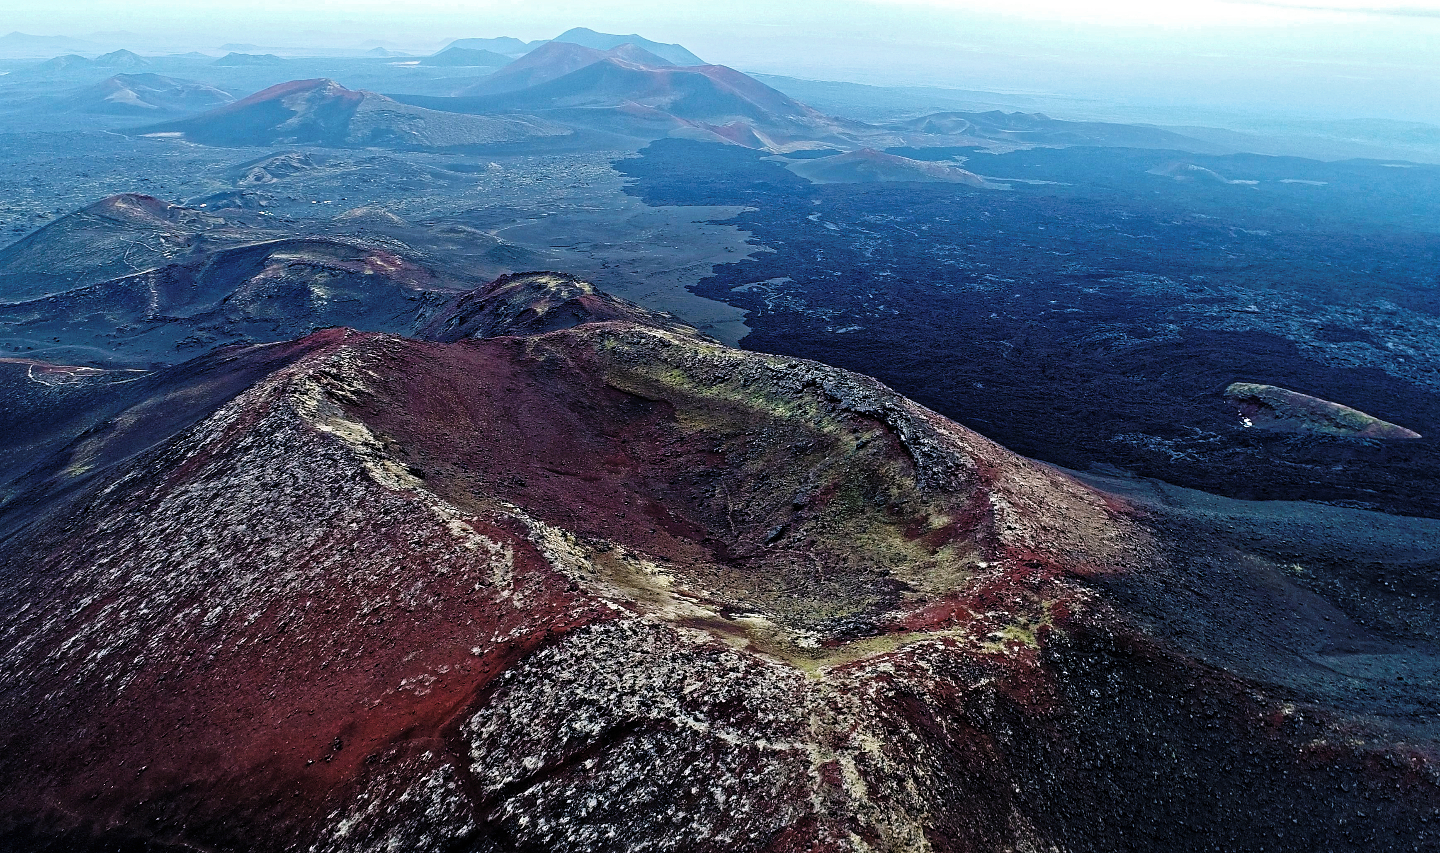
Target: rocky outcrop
(1268,407)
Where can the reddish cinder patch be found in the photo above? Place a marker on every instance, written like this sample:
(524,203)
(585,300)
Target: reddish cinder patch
(280,91)
(273,707)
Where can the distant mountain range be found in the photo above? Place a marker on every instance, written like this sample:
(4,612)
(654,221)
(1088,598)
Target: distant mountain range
(868,166)
(25,46)
(244,59)
(119,59)
(322,112)
(615,88)
(627,91)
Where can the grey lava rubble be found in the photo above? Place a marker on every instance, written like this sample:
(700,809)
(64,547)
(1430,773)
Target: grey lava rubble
(560,574)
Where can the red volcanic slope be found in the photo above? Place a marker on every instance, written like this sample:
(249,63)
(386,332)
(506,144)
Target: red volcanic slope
(280,91)
(617,587)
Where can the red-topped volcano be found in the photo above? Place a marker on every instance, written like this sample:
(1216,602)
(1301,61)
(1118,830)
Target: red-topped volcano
(604,584)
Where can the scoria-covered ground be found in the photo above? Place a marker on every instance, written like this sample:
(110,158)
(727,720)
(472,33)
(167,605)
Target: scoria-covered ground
(607,585)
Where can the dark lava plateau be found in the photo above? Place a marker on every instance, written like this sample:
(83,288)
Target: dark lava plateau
(558,573)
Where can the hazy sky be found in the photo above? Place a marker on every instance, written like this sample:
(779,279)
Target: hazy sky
(1326,58)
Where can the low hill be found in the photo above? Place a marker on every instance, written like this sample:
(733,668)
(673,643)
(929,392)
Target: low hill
(1182,171)
(322,112)
(272,168)
(1027,129)
(464,57)
(147,94)
(870,166)
(1281,410)
(673,53)
(59,65)
(122,59)
(536,303)
(248,59)
(504,45)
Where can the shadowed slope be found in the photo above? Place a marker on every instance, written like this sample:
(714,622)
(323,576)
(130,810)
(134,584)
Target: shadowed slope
(265,291)
(115,236)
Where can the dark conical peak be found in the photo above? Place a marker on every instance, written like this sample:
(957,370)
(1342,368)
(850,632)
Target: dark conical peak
(534,303)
